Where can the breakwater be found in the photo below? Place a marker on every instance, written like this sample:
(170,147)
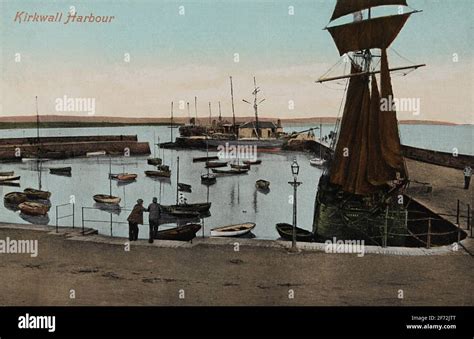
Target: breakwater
(14,149)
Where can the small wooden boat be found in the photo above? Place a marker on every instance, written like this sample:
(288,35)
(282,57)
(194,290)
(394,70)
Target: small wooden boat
(9,178)
(7,174)
(33,208)
(162,174)
(237,166)
(231,171)
(205,159)
(208,179)
(15,198)
(37,194)
(107,199)
(10,183)
(96,154)
(181,233)
(286,232)
(165,168)
(232,230)
(252,162)
(262,184)
(60,170)
(154,161)
(215,164)
(317,162)
(198,207)
(175,212)
(124,177)
(184,187)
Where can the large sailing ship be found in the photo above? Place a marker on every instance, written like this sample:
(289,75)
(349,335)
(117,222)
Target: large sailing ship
(361,192)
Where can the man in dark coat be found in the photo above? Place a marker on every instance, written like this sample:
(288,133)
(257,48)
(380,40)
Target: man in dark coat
(134,219)
(154,218)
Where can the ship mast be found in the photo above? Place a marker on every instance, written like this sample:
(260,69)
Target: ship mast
(255,106)
(233,111)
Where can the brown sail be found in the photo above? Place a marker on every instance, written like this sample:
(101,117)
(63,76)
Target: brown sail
(350,157)
(390,146)
(344,7)
(367,34)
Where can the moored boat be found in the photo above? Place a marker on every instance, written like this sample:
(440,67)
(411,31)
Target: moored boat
(162,174)
(215,164)
(154,161)
(286,232)
(176,212)
(180,233)
(262,184)
(60,170)
(6,174)
(232,230)
(198,207)
(205,159)
(37,194)
(9,178)
(252,162)
(15,198)
(208,179)
(230,172)
(237,166)
(96,154)
(106,199)
(33,208)
(317,162)
(124,177)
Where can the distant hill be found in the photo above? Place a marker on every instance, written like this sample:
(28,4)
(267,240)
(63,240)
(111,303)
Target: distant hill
(106,120)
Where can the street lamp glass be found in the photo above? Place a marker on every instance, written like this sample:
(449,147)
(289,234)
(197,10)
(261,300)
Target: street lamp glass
(295,168)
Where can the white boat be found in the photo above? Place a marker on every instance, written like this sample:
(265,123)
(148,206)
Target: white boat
(232,230)
(317,162)
(96,154)
(9,178)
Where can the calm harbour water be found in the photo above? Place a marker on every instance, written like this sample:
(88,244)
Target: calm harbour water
(234,198)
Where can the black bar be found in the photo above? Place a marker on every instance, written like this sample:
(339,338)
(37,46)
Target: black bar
(289,322)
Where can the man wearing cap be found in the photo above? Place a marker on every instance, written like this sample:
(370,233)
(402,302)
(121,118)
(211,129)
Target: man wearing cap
(134,219)
(154,218)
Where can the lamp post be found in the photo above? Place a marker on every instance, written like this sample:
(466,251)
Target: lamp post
(295,168)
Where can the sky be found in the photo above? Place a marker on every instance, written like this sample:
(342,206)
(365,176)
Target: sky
(155,52)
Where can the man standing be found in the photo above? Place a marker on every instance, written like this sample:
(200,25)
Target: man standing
(135,218)
(467,176)
(154,218)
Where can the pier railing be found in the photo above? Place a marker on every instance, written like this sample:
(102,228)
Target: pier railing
(60,217)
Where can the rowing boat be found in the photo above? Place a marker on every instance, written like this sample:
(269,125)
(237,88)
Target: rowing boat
(208,179)
(237,166)
(230,172)
(154,161)
(33,208)
(106,199)
(15,198)
(60,170)
(215,164)
(37,194)
(252,162)
(176,212)
(232,230)
(317,162)
(184,187)
(162,174)
(181,233)
(96,154)
(198,207)
(124,177)
(262,184)
(6,174)
(286,232)
(205,159)
(9,178)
